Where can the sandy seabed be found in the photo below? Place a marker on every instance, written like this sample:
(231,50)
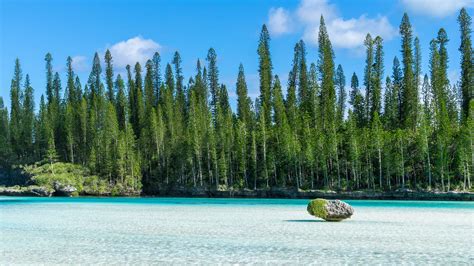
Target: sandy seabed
(227,231)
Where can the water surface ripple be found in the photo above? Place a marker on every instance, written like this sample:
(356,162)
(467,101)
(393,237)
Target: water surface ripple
(229,231)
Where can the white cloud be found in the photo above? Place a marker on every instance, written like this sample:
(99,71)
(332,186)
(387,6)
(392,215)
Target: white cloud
(309,11)
(437,8)
(351,33)
(345,33)
(133,50)
(279,21)
(79,63)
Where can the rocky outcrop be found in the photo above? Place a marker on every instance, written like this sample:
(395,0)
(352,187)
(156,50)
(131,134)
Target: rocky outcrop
(330,210)
(36,191)
(41,191)
(64,190)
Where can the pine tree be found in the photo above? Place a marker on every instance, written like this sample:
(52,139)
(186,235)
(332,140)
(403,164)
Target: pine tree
(57,115)
(138,104)
(243,100)
(409,103)
(340,83)
(426,93)
(28,119)
(95,116)
(282,134)
(121,102)
(41,137)
(243,127)
(131,96)
(417,62)
(377,76)
(110,143)
(4,136)
(15,111)
(213,80)
(303,90)
(328,97)
(49,77)
(149,89)
(179,113)
(265,73)
(442,124)
(156,76)
(368,75)
(109,76)
(396,99)
(467,72)
(178,74)
(94,82)
(69,130)
(357,101)
(167,104)
(70,113)
(314,92)
(195,136)
(291,100)
(82,129)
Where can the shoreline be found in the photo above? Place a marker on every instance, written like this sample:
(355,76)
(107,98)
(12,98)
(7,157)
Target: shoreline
(312,194)
(409,195)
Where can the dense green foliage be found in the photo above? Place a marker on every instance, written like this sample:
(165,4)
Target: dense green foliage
(151,131)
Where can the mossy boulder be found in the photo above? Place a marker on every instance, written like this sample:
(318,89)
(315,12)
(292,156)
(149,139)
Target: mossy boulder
(330,210)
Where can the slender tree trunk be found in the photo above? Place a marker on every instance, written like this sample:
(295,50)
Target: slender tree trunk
(245,165)
(429,168)
(209,171)
(338,170)
(265,157)
(194,172)
(347,173)
(354,174)
(468,176)
(442,175)
(380,168)
(402,164)
(465,177)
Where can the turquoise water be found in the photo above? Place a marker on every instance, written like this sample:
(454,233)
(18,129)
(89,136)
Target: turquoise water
(229,231)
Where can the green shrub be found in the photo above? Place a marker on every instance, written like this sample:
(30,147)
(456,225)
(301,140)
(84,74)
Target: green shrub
(117,190)
(93,185)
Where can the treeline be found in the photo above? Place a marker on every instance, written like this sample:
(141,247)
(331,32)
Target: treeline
(151,131)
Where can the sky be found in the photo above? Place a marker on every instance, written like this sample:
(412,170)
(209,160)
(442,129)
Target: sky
(134,30)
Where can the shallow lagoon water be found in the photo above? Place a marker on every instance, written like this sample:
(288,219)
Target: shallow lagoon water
(229,231)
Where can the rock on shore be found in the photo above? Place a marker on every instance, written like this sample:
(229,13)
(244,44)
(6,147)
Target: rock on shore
(64,190)
(37,191)
(330,210)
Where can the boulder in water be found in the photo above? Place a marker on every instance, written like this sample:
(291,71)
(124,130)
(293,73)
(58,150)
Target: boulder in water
(330,210)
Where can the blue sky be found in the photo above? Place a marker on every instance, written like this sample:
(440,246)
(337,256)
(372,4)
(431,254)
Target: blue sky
(133,30)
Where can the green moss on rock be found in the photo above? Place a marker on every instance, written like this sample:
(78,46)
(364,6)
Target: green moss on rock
(330,210)
(317,207)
